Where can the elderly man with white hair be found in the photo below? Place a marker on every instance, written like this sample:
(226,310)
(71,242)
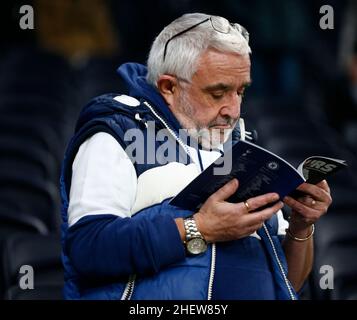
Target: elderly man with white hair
(131,154)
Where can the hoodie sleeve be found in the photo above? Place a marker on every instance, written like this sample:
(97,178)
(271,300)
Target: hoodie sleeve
(110,246)
(103,239)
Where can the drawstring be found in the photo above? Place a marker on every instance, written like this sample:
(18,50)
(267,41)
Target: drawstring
(249,135)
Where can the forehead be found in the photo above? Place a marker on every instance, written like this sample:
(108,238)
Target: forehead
(215,66)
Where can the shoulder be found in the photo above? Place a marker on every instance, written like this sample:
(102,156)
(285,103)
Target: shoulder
(126,100)
(100,140)
(118,109)
(100,147)
(112,113)
(116,102)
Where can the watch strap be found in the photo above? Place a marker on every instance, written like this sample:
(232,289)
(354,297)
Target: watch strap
(191,229)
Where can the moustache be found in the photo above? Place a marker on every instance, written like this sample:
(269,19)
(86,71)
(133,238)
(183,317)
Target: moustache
(224,122)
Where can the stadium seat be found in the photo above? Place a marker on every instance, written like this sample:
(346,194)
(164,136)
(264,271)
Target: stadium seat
(37,198)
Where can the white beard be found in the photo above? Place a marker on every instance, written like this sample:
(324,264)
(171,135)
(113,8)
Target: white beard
(209,138)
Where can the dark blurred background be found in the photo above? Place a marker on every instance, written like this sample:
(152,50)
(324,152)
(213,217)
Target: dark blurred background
(303,102)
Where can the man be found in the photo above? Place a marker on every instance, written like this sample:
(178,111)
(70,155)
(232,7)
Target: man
(121,237)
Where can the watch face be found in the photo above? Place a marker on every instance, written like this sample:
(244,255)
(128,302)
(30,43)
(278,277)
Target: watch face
(196,246)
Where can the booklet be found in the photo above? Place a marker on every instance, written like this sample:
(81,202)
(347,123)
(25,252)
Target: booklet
(258,171)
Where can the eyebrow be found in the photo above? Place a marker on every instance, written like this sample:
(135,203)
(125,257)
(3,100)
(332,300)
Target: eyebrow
(224,87)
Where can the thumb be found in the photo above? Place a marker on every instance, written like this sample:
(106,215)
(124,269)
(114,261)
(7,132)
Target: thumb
(226,191)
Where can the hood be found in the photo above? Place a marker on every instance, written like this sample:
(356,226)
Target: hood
(134,75)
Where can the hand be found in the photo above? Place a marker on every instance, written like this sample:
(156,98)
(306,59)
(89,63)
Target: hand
(219,220)
(308,209)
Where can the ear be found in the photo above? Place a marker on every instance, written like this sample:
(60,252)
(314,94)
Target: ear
(167,86)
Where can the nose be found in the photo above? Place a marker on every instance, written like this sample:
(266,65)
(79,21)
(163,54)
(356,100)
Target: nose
(231,107)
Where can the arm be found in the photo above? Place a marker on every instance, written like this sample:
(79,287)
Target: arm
(104,239)
(106,245)
(306,211)
(299,256)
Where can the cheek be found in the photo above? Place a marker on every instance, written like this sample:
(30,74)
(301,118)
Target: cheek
(205,115)
(203,110)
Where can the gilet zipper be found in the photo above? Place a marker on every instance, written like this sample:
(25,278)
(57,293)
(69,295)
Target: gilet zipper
(212,271)
(129,288)
(172,132)
(292,296)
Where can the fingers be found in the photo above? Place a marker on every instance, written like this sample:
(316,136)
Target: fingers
(324,185)
(308,201)
(314,204)
(226,191)
(259,201)
(319,192)
(257,219)
(308,212)
(219,220)
(300,206)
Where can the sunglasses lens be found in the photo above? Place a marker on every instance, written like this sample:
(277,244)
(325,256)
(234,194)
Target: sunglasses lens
(220,24)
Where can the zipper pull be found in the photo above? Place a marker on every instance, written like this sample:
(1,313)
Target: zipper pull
(141,120)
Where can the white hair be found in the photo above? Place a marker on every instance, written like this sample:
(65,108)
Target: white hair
(184,50)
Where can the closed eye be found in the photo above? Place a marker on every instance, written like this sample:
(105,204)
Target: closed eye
(217,91)
(217,95)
